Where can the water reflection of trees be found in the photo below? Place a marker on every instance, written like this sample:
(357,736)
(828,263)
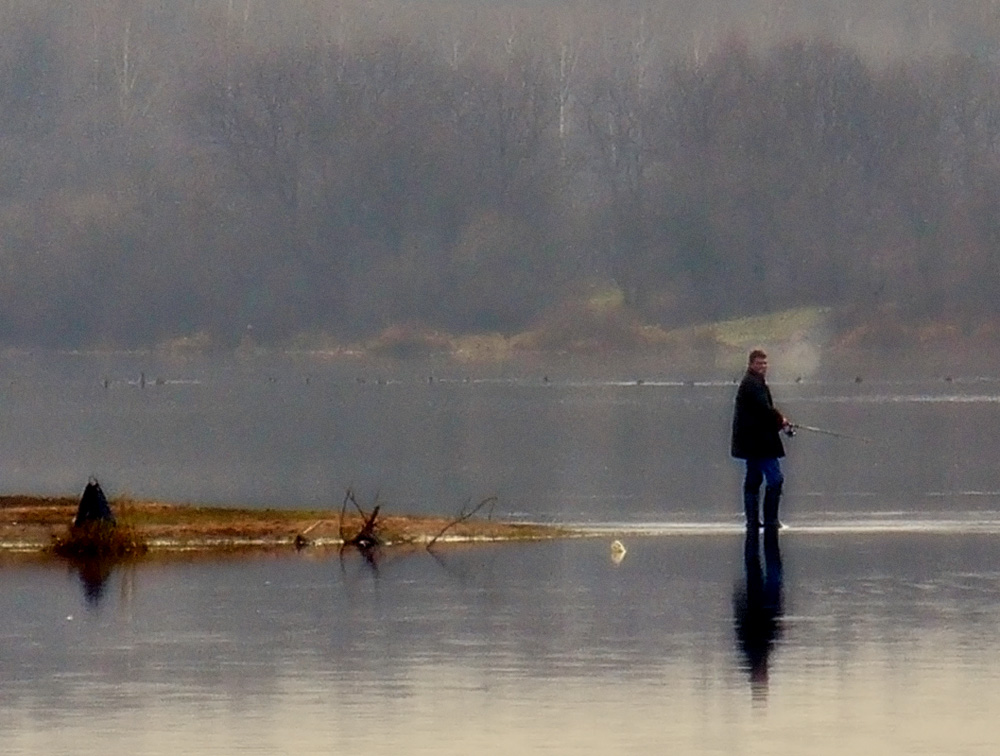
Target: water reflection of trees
(758,606)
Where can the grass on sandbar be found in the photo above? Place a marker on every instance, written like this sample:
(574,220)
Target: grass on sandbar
(99,540)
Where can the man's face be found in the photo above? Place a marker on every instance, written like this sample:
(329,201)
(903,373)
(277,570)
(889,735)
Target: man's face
(759,366)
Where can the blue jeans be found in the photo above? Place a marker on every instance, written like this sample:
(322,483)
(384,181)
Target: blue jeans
(759,471)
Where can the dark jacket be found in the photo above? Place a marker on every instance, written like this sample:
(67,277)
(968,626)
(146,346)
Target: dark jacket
(756,423)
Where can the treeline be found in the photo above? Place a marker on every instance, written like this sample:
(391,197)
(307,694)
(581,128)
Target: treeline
(171,168)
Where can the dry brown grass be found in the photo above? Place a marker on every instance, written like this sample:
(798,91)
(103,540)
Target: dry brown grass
(99,540)
(37,523)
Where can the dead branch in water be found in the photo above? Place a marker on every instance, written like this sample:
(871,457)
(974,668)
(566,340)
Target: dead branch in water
(343,511)
(367,537)
(464,515)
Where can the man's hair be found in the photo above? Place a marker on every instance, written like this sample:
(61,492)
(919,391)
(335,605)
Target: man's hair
(757,354)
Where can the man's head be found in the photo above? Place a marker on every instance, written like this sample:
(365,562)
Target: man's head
(757,363)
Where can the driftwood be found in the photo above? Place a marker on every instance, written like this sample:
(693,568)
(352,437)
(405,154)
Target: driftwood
(464,515)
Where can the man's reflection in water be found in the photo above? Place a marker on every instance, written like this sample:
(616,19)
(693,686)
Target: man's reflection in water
(757,606)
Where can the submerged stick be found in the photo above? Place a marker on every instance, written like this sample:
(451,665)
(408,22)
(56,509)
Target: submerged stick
(343,511)
(462,517)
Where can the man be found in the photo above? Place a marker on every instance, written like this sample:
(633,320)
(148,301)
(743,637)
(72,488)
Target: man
(757,426)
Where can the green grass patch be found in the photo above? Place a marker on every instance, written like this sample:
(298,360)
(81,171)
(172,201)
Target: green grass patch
(606,300)
(773,327)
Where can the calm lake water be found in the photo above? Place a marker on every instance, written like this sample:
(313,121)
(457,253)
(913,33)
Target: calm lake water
(869,625)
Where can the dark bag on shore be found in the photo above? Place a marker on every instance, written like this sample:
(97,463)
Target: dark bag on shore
(94,506)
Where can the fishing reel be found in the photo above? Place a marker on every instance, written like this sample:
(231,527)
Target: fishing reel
(788,429)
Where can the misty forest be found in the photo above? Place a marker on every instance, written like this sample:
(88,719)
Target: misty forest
(173,167)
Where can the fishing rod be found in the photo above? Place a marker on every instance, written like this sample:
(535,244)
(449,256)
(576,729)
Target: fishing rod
(793,427)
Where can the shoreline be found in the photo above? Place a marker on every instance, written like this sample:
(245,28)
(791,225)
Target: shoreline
(32,524)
